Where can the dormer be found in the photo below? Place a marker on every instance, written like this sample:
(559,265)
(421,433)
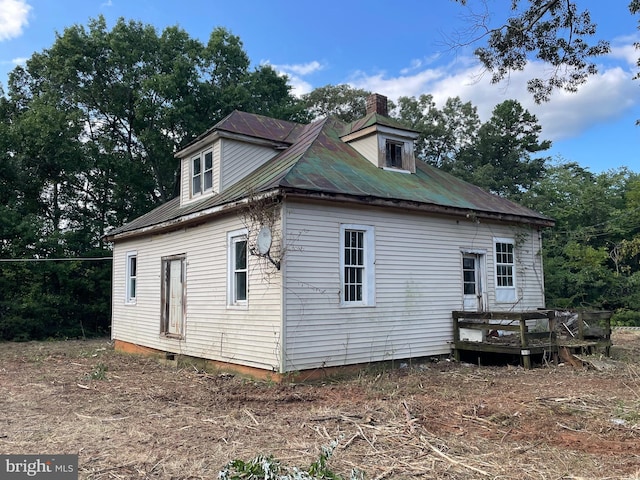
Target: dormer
(385,142)
(200,168)
(229,151)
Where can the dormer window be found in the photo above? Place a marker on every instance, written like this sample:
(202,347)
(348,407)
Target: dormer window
(202,173)
(393,154)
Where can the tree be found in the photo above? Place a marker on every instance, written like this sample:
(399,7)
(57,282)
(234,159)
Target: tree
(552,31)
(442,133)
(342,101)
(500,159)
(589,257)
(87,135)
(141,95)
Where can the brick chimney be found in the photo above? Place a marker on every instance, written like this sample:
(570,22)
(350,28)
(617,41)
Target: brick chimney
(377,103)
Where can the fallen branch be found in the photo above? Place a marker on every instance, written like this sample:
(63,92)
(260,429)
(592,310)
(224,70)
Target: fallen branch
(410,419)
(346,445)
(250,415)
(451,460)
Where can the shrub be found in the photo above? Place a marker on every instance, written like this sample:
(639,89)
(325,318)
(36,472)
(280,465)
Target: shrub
(626,318)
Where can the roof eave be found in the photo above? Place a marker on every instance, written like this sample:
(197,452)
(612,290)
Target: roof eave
(190,220)
(466,213)
(217,134)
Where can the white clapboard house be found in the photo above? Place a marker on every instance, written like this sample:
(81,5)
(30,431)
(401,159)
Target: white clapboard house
(296,248)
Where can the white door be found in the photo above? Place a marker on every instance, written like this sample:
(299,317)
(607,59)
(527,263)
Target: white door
(175,297)
(473,288)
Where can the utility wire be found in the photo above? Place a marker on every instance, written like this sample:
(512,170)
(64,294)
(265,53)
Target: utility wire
(66,259)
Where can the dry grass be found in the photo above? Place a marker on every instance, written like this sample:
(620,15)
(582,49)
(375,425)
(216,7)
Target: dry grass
(130,417)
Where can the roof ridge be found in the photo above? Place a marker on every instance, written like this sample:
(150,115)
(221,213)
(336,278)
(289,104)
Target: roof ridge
(309,129)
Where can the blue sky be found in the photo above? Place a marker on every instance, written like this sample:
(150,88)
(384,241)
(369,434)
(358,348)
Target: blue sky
(393,48)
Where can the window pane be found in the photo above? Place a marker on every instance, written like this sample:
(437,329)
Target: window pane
(508,276)
(393,155)
(241,254)
(196,166)
(469,288)
(208,180)
(132,266)
(196,185)
(241,285)
(208,161)
(132,288)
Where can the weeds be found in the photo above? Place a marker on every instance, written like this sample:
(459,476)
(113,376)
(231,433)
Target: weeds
(268,468)
(99,372)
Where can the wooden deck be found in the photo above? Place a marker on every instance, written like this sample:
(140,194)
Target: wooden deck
(510,333)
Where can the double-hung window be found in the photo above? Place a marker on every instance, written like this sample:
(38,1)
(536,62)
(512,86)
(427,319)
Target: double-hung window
(393,154)
(357,276)
(238,281)
(202,173)
(505,270)
(131,275)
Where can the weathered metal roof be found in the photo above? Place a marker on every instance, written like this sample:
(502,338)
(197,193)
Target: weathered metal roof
(253,125)
(318,163)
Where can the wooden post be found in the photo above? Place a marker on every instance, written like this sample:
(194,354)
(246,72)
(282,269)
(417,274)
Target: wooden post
(553,340)
(524,352)
(456,337)
(580,326)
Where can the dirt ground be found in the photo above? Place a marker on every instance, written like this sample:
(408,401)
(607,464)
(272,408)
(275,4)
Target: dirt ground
(132,417)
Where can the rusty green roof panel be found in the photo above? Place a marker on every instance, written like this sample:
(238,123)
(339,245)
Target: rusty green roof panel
(318,162)
(331,166)
(253,125)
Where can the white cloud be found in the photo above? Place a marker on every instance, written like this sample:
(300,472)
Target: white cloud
(418,63)
(14,16)
(19,60)
(295,72)
(605,97)
(394,87)
(298,86)
(627,52)
(301,69)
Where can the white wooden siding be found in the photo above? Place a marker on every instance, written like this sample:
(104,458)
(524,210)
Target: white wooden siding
(240,158)
(249,336)
(368,148)
(185,173)
(418,283)
(185,180)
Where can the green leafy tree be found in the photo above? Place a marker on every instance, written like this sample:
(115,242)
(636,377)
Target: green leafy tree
(589,257)
(555,32)
(502,157)
(342,101)
(89,128)
(442,133)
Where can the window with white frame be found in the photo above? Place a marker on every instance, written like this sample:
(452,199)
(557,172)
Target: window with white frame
(202,173)
(505,270)
(131,276)
(357,276)
(238,281)
(393,154)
